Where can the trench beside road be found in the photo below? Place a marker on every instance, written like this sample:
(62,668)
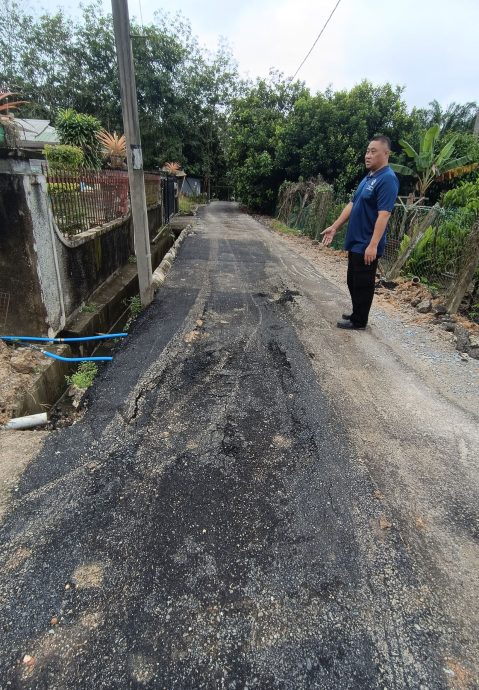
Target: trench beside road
(253,499)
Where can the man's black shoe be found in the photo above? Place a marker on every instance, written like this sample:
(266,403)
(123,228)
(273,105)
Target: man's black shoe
(346,317)
(349,325)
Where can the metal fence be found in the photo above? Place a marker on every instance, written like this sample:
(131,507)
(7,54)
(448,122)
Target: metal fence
(169,197)
(436,258)
(84,199)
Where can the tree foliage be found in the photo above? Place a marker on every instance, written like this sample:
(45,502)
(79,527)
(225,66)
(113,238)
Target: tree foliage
(456,117)
(255,131)
(194,108)
(278,131)
(327,134)
(57,63)
(64,157)
(430,160)
(80,130)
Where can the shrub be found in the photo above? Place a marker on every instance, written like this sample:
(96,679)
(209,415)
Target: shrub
(62,187)
(185,204)
(64,157)
(78,129)
(83,377)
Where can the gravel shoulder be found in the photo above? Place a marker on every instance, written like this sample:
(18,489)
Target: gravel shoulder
(416,338)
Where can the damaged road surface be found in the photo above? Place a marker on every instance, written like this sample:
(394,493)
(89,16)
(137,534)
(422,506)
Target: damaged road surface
(252,500)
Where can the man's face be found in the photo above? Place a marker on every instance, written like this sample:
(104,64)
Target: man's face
(377,155)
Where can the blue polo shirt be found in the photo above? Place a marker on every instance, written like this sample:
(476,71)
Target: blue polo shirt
(377,192)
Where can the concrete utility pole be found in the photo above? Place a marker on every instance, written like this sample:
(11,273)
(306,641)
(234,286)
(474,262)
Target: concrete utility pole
(129,106)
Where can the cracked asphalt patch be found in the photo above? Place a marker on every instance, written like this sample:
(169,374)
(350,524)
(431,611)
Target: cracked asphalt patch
(208,523)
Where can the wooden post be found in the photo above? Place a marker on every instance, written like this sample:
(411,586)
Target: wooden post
(417,235)
(466,274)
(129,106)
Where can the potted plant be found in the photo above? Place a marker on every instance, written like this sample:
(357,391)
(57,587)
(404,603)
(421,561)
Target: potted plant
(8,126)
(113,149)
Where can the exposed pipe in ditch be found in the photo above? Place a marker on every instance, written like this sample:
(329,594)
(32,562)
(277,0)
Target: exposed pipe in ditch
(35,339)
(28,422)
(76,359)
(52,355)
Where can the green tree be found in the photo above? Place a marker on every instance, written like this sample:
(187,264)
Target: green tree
(183,92)
(456,117)
(328,133)
(255,128)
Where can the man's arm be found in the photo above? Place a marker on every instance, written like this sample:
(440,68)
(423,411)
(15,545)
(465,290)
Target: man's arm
(379,228)
(330,232)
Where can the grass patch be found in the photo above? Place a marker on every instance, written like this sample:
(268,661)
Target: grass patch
(284,229)
(134,305)
(473,313)
(83,376)
(89,308)
(186,205)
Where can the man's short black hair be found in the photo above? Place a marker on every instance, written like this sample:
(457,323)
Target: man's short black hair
(382,137)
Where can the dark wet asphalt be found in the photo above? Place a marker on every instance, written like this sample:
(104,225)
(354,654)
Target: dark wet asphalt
(206,524)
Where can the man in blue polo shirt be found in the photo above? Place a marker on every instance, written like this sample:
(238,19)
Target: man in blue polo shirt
(368,215)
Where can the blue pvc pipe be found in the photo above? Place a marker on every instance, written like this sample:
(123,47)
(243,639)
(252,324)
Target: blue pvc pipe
(77,359)
(35,339)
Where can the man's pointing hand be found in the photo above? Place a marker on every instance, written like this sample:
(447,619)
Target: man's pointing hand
(329,234)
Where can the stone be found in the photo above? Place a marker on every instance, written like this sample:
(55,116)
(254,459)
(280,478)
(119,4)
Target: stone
(440,309)
(415,301)
(22,361)
(473,352)
(474,341)
(462,337)
(425,306)
(448,326)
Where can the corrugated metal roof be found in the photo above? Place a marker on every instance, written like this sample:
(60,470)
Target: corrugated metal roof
(38,131)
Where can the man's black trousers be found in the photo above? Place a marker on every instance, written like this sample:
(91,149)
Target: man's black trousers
(361,281)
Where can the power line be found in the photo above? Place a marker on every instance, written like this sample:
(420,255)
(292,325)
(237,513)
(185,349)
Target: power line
(317,39)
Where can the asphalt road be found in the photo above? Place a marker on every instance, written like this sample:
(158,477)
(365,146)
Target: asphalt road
(248,502)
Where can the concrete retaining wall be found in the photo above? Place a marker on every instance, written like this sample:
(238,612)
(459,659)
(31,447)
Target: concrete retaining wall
(45,276)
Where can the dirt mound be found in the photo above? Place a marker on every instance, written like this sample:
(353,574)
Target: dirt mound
(19,366)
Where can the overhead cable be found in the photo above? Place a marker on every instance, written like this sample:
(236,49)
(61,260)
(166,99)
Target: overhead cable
(317,39)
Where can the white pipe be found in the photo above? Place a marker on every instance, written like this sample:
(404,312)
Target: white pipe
(27,422)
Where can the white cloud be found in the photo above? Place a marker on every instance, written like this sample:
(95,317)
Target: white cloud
(428,46)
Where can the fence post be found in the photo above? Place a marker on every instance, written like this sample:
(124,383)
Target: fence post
(466,274)
(322,207)
(416,236)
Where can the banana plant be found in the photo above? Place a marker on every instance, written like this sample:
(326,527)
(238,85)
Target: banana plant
(428,164)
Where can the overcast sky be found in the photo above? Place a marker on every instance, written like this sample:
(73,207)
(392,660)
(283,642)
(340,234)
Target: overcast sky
(428,46)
